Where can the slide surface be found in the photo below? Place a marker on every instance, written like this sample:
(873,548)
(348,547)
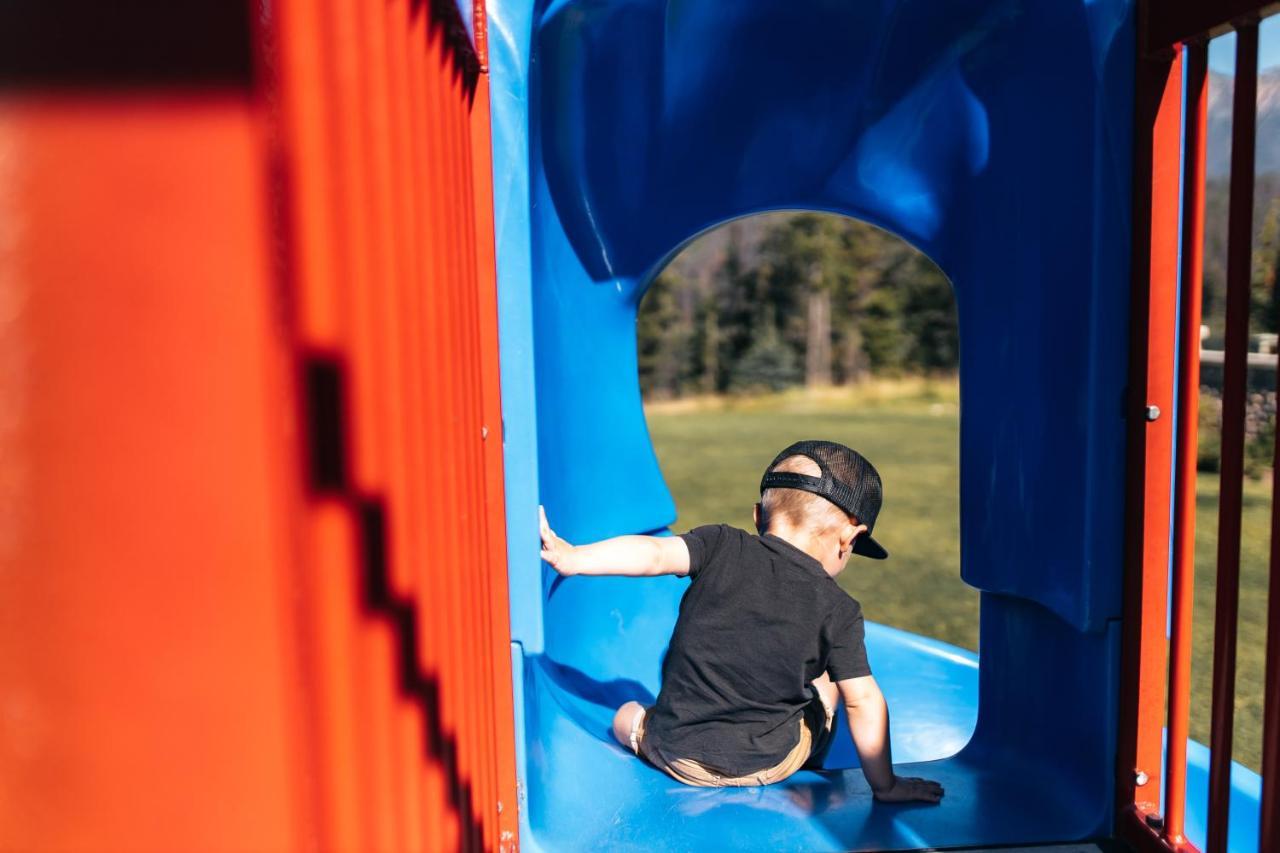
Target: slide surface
(994,135)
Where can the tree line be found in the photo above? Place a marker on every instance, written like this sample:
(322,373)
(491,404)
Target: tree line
(812,299)
(798,299)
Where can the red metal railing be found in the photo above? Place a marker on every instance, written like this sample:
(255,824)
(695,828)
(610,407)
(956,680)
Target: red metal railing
(1239,262)
(1169,179)
(1184,524)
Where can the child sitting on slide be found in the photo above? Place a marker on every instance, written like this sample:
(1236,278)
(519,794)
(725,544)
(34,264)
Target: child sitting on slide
(766,641)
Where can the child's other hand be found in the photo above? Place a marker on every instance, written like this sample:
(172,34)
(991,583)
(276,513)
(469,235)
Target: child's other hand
(908,789)
(554,549)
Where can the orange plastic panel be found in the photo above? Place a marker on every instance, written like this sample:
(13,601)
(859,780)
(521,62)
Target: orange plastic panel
(390,228)
(146,640)
(252,557)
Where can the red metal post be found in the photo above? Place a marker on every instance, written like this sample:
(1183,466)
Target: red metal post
(1155,264)
(1239,262)
(491,431)
(1184,521)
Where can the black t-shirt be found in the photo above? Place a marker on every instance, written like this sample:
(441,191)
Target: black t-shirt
(760,621)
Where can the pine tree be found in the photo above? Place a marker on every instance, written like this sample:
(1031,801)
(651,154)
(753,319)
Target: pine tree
(813,298)
(663,338)
(804,253)
(769,364)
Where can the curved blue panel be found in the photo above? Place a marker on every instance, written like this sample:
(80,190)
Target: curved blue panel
(994,135)
(1003,161)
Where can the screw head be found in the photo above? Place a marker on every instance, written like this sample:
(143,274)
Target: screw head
(1141,778)
(1153,413)
(484,433)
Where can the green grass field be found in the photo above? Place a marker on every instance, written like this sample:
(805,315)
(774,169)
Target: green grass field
(713,453)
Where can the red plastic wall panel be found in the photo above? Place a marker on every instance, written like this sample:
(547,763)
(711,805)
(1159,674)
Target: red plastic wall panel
(252,563)
(383,162)
(146,647)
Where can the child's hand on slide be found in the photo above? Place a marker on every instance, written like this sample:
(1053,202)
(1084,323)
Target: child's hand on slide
(554,549)
(911,789)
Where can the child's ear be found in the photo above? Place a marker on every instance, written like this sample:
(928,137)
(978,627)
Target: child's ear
(849,532)
(755,516)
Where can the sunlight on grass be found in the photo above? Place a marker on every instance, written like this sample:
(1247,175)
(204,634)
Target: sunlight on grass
(1251,642)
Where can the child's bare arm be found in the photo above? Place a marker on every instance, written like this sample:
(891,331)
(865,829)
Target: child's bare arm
(635,556)
(869,726)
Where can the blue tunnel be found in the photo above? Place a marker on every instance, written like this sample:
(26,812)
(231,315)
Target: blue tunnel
(993,135)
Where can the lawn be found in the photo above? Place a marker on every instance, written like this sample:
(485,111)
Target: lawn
(1251,644)
(713,452)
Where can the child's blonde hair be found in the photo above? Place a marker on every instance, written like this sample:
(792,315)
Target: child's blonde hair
(799,508)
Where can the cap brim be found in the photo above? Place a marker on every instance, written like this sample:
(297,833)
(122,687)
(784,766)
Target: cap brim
(865,546)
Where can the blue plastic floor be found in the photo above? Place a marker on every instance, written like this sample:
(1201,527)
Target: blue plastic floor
(586,793)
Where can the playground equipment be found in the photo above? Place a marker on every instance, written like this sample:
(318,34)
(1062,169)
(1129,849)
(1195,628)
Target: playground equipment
(269,516)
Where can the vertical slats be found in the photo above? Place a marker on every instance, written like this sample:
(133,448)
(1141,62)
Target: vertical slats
(387,197)
(1239,262)
(467,430)
(1184,521)
(484,722)
(424,81)
(352,798)
(285,484)
(408,82)
(367,422)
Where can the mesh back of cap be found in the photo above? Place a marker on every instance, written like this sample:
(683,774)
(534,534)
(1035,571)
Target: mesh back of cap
(848,480)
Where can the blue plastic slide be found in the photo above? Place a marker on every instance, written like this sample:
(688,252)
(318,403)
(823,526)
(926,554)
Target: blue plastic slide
(996,137)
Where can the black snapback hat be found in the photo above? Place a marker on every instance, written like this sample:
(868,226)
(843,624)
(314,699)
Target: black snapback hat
(848,480)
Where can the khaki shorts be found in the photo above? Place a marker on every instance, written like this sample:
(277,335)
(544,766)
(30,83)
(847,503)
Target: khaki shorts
(815,739)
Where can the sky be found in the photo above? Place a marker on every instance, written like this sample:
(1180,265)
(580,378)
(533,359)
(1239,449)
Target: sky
(1222,50)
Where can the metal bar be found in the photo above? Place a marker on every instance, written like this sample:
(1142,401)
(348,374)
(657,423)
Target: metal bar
(1255,360)
(1269,830)
(1173,21)
(499,620)
(1239,262)
(1184,521)
(1158,124)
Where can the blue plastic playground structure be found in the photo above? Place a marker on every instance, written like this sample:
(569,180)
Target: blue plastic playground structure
(994,135)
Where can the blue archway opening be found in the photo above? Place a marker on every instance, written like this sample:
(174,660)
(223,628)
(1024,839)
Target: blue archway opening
(774,327)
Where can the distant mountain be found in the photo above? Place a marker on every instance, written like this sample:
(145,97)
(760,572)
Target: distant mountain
(1221,86)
